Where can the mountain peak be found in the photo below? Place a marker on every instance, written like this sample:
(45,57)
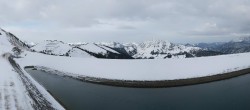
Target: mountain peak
(111,44)
(155,44)
(4,40)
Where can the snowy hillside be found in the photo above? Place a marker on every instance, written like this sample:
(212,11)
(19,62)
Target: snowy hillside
(94,50)
(18,91)
(52,47)
(8,41)
(59,48)
(5,45)
(76,52)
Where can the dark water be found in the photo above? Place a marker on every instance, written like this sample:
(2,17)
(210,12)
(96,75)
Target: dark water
(232,94)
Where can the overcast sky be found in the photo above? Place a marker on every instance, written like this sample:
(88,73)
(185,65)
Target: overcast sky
(180,21)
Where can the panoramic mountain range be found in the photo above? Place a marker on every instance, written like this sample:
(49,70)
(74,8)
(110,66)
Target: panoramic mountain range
(156,49)
(240,45)
(147,50)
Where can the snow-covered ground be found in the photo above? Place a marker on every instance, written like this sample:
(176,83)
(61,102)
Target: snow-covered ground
(141,70)
(12,90)
(18,91)
(17,95)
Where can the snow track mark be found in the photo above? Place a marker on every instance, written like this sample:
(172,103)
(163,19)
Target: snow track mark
(1,99)
(7,103)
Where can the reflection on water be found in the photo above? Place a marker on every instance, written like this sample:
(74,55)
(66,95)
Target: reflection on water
(232,94)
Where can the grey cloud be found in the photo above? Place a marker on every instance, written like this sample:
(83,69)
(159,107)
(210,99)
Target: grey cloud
(126,20)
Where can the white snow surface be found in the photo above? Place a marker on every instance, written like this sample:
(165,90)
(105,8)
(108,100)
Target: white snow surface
(5,45)
(53,47)
(75,52)
(141,70)
(13,94)
(12,91)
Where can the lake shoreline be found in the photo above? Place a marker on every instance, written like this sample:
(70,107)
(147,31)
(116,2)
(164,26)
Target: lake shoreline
(146,84)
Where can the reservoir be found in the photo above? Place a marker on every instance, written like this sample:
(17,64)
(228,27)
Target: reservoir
(230,94)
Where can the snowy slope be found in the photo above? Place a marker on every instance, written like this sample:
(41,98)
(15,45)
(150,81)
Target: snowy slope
(12,40)
(12,89)
(4,39)
(97,49)
(93,50)
(91,47)
(18,91)
(5,45)
(59,48)
(52,47)
(131,48)
(108,49)
(75,52)
(102,51)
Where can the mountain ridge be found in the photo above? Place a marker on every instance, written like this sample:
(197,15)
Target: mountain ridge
(155,49)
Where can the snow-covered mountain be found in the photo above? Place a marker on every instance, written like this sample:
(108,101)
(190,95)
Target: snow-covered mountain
(9,38)
(239,45)
(163,49)
(157,49)
(10,43)
(59,48)
(102,51)
(52,47)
